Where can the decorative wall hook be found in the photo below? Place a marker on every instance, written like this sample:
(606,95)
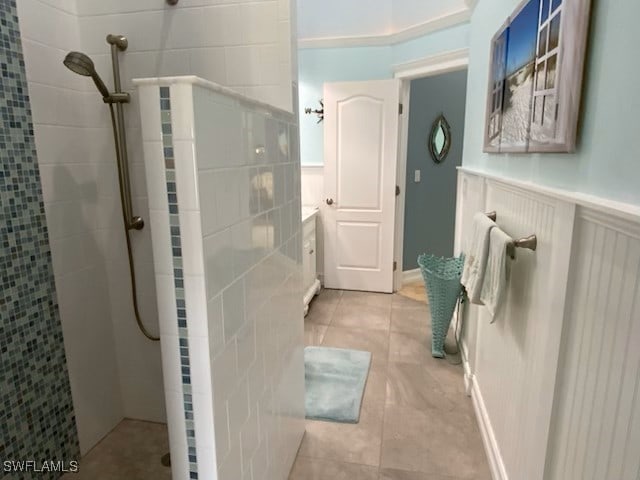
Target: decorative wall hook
(172,2)
(320,112)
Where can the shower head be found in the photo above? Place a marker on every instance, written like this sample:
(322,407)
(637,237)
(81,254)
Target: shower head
(81,64)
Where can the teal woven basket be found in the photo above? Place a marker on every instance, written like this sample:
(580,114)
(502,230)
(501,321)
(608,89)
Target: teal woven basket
(442,278)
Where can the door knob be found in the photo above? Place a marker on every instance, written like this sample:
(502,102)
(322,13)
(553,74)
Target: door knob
(329,201)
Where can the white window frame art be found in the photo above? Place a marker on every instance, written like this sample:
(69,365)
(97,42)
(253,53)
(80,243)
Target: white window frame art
(566,91)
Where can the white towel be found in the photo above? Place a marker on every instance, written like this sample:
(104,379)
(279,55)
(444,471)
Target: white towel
(476,257)
(497,271)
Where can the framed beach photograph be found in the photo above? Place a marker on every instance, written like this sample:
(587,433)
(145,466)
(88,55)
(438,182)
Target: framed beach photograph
(535,77)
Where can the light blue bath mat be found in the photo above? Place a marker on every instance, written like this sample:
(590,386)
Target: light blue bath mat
(335,379)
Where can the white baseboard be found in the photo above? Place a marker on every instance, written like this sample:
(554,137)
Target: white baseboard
(498,470)
(409,276)
(468,374)
(313,290)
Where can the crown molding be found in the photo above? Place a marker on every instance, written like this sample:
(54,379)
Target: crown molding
(452,19)
(471,4)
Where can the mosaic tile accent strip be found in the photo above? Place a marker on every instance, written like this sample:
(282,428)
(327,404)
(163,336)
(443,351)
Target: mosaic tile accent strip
(178,277)
(36,410)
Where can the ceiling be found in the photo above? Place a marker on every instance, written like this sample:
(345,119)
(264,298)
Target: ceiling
(358,18)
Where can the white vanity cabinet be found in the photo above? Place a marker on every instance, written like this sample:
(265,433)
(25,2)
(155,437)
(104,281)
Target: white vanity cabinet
(311,284)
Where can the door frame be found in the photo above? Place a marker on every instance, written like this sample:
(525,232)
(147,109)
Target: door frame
(446,62)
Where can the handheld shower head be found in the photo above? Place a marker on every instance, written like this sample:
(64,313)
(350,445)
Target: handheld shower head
(81,64)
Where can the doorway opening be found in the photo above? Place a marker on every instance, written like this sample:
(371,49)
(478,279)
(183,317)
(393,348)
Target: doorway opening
(426,206)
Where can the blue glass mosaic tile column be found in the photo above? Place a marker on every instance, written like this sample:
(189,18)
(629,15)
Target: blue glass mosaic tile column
(36,411)
(178,277)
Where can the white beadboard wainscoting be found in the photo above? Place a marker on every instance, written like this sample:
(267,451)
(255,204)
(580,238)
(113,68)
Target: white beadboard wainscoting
(555,379)
(224,195)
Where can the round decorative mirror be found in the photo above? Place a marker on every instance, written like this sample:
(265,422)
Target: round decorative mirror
(439,139)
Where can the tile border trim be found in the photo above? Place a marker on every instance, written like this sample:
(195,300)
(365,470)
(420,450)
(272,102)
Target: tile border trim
(178,277)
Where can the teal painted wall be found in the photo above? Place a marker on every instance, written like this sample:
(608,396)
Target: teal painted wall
(607,161)
(319,65)
(429,219)
(453,38)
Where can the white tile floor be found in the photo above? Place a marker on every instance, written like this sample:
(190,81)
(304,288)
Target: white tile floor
(416,422)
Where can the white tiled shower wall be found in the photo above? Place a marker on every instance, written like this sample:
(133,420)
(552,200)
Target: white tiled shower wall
(247,45)
(237,173)
(116,372)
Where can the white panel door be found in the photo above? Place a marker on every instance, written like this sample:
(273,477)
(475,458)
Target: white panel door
(360,156)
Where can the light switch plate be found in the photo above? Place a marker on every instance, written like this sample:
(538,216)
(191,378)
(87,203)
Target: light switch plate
(416,176)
